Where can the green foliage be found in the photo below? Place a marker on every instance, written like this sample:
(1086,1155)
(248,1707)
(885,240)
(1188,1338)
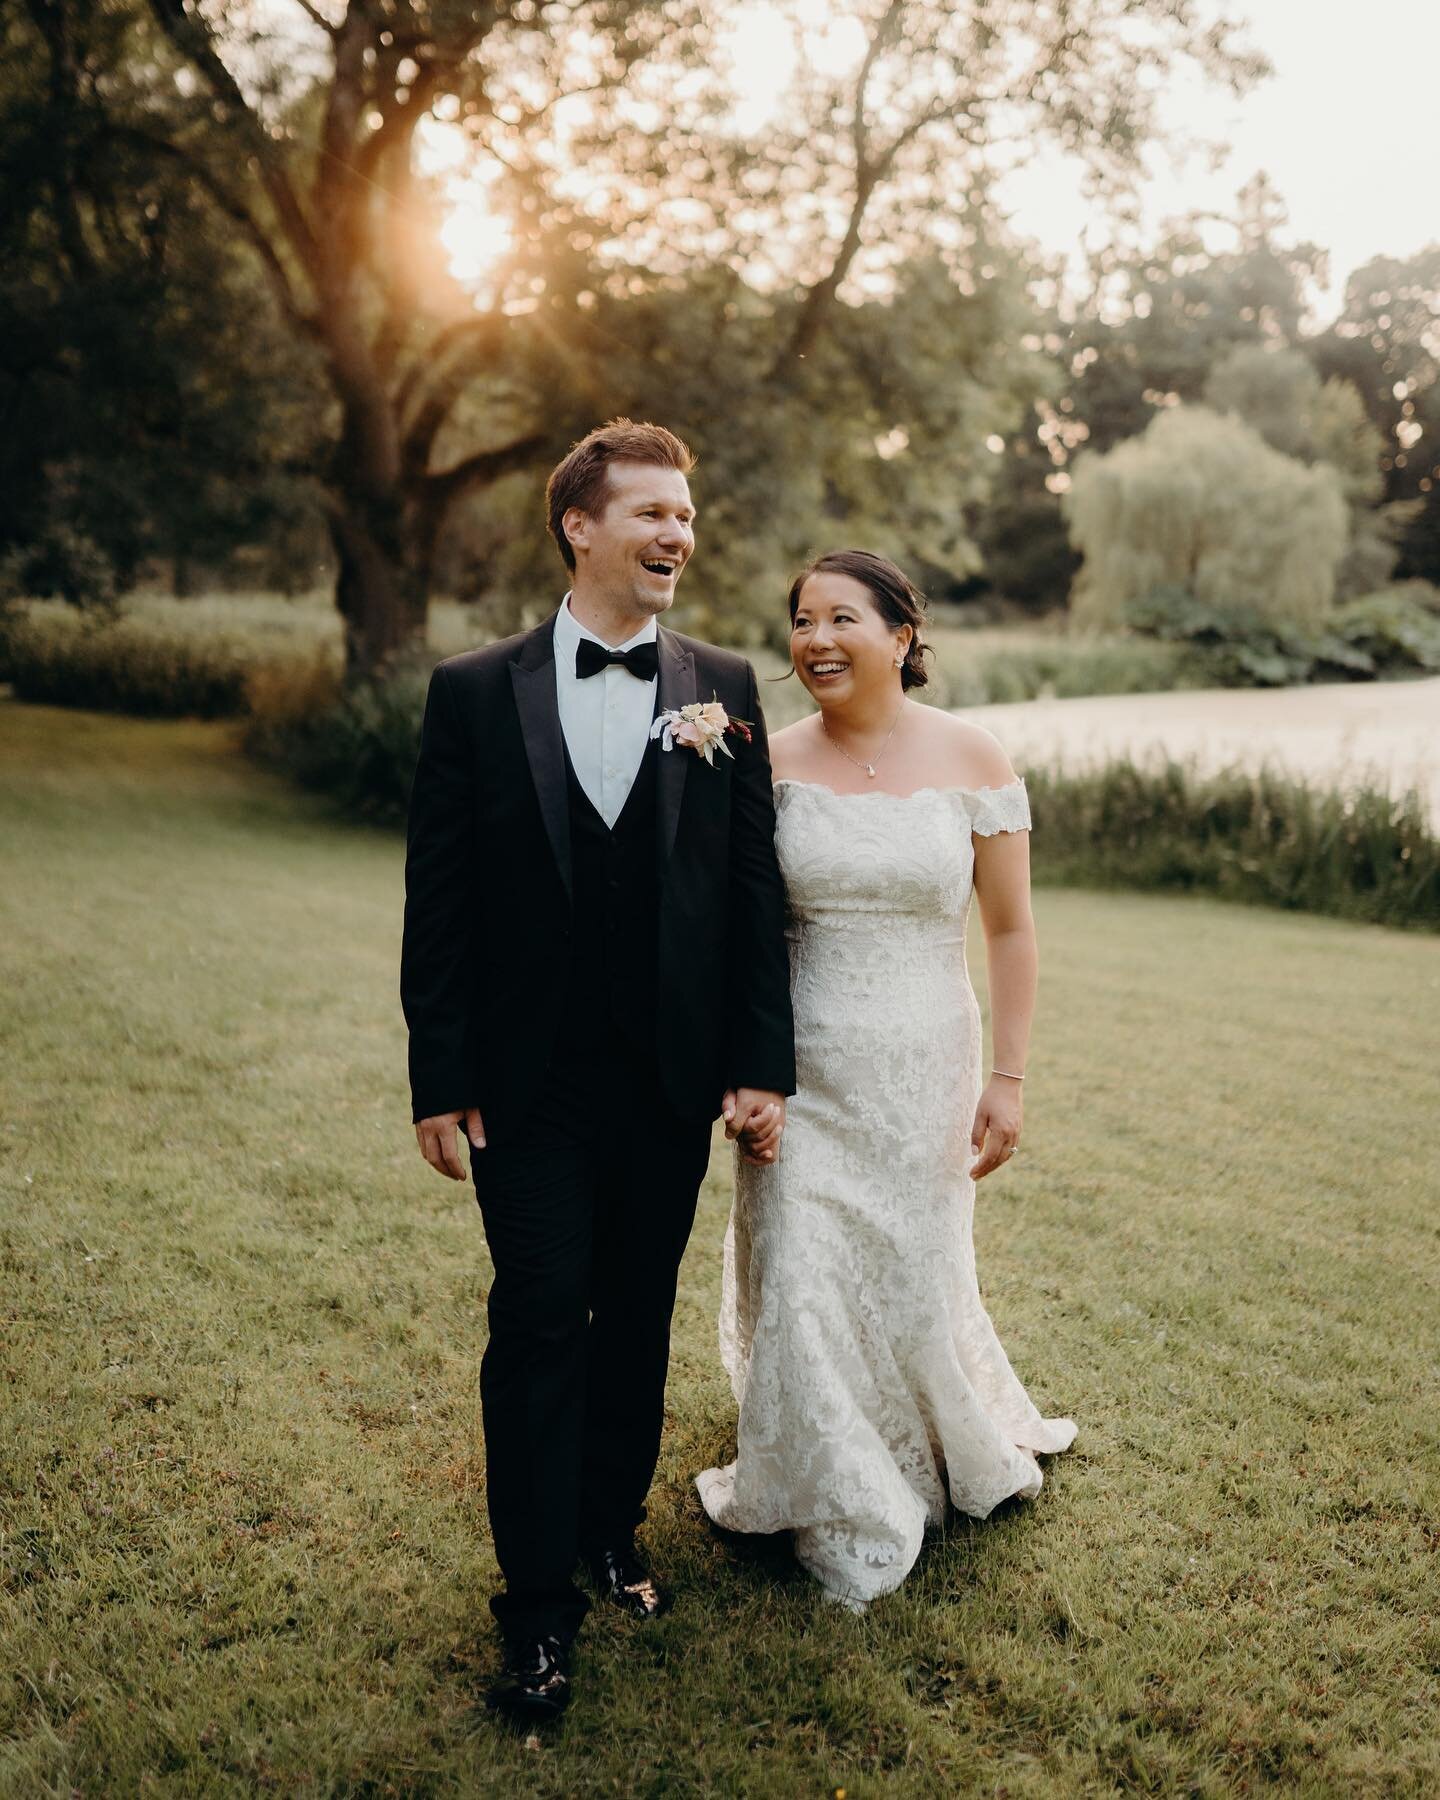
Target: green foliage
(832,275)
(1019,527)
(1343,436)
(1384,344)
(357,743)
(1398,628)
(119,666)
(1203,503)
(1279,392)
(1274,389)
(1370,560)
(1163,316)
(1264,838)
(59,559)
(1063,667)
(1420,537)
(155,407)
(1390,633)
(878,439)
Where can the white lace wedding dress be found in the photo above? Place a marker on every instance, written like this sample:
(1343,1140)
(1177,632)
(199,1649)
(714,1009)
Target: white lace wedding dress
(869,1377)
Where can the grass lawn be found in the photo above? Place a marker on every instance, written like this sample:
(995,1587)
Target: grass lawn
(241,1490)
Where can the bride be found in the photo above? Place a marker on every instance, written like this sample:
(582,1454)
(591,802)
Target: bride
(870,1380)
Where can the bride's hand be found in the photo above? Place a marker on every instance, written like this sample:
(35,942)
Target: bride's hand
(756,1117)
(995,1134)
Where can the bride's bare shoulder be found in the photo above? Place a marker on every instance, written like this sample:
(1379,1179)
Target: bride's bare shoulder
(793,748)
(966,754)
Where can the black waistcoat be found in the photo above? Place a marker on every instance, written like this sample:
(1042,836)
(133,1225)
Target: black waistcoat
(612,996)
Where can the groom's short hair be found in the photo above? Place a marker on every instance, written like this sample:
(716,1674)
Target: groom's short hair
(583,478)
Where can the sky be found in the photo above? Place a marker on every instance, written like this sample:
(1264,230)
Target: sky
(1337,127)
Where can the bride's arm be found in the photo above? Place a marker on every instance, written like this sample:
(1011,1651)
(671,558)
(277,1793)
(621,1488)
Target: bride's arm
(1012,961)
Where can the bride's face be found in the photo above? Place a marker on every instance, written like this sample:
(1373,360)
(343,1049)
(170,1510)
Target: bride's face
(841,646)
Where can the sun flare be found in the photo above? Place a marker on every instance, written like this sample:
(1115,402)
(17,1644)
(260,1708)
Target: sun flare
(475,235)
(475,239)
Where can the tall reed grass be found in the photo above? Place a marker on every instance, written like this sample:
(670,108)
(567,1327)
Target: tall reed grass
(119,665)
(1264,838)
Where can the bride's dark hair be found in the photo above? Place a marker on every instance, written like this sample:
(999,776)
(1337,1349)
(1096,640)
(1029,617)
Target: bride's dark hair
(897,600)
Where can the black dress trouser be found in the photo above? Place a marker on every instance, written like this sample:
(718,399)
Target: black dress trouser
(587,1212)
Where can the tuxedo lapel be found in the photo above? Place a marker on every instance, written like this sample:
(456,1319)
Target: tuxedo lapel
(533,676)
(677,689)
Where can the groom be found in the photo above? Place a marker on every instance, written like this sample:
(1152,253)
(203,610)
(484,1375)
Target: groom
(594,967)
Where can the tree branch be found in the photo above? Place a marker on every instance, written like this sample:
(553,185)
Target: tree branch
(485,466)
(233,208)
(459,335)
(452,366)
(50,21)
(316,17)
(188,33)
(819,298)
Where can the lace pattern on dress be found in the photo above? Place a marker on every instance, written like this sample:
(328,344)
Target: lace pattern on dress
(871,1384)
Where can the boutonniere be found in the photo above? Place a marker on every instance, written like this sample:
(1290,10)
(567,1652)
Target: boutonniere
(701,727)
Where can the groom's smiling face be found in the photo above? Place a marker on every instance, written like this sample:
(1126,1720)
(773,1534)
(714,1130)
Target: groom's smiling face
(632,552)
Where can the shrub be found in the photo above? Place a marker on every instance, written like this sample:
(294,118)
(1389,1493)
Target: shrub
(1393,632)
(113,666)
(1261,838)
(1398,628)
(63,561)
(1068,667)
(1204,503)
(357,743)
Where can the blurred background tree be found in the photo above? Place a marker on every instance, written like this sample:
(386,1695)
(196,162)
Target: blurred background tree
(1386,342)
(821,303)
(153,407)
(1199,505)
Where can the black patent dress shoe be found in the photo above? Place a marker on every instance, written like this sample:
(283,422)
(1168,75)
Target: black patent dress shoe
(625,1581)
(534,1686)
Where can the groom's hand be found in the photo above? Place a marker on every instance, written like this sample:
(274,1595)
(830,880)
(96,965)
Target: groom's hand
(440,1145)
(756,1116)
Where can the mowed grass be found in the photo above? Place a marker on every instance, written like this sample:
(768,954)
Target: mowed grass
(241,1482)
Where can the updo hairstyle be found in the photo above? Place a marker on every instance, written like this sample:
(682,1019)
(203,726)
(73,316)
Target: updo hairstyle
(896,599)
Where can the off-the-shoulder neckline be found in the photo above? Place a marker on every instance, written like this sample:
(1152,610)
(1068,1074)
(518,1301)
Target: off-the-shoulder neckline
(885,794)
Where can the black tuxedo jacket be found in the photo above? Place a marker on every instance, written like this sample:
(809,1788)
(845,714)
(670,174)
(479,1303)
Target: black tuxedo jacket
(488,890)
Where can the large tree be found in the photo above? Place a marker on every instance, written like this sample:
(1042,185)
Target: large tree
(1155,321)
(622,171)
(153,407)
(1387,342)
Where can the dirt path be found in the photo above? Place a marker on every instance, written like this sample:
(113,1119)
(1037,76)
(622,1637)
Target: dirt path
(1387,733)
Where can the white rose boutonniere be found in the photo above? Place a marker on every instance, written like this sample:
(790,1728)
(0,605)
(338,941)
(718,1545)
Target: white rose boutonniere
(701,727)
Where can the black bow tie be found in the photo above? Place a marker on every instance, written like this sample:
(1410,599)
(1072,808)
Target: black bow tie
(642,660)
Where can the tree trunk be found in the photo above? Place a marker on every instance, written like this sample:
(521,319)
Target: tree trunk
(383,582)
(382,588)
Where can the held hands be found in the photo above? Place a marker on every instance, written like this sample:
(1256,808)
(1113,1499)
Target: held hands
(996,1131)
(757,1118)
(753,1115)
(439,1141)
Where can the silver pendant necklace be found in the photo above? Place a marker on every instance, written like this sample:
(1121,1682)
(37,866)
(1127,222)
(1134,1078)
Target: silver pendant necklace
(868,767)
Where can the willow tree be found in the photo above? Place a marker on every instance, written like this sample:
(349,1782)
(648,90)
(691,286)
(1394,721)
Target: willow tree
(1200,503)
(622,167)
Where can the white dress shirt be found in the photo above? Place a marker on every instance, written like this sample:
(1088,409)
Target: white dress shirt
(606,718)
